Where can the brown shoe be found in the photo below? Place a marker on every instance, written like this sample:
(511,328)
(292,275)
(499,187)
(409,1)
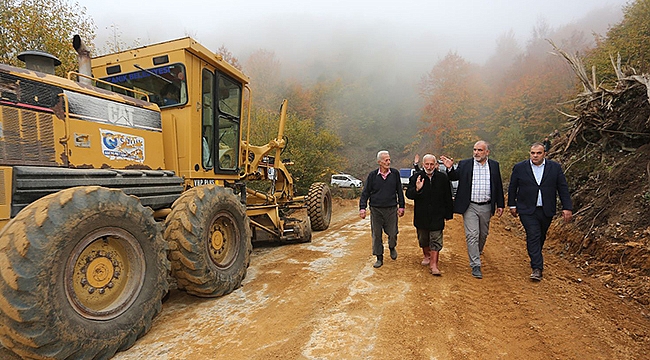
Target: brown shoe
(536,275)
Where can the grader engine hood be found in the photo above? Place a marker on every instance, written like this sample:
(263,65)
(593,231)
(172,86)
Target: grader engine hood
(50,121)
(85,107)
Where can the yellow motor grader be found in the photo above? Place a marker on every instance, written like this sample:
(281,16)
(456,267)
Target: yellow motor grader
(129,177)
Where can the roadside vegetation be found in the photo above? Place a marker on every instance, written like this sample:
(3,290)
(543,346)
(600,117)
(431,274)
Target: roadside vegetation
(340,116)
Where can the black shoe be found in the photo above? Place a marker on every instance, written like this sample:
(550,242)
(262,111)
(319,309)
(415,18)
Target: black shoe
(536,275)
(379,262)
(393,253)
(476,272)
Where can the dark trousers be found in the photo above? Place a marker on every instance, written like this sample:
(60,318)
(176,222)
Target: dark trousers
(383,219)
(536,226)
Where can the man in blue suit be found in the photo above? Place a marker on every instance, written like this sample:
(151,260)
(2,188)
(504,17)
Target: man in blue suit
(532,196)
(479,195)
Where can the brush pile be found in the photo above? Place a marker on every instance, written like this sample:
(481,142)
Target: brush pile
(606,156)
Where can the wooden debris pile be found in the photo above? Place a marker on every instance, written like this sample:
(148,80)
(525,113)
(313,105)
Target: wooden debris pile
(605,152)
(617,118)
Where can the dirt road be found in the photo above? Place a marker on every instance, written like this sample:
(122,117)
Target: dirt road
(324,300)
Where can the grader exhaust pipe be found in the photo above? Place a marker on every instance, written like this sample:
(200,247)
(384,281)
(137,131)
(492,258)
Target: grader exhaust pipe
(83,57)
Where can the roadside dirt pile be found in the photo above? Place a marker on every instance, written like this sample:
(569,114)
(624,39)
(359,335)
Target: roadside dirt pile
(606,156)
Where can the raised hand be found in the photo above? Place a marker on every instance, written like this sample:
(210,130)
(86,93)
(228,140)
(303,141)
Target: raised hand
(448,162)
(419,182)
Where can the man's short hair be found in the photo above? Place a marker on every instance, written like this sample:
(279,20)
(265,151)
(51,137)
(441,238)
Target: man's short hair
(487,145)
(428,156)
(380,153)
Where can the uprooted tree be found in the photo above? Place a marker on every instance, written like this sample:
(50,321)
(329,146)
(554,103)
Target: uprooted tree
(606,155)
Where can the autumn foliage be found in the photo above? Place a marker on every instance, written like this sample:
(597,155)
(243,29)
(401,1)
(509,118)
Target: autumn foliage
(44,25)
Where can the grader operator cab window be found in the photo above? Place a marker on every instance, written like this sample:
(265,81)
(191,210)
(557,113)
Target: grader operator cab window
(165,85)
(220,123)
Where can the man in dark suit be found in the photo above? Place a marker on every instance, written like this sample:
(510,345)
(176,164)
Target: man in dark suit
(532,196)
(478,197)
(431,194)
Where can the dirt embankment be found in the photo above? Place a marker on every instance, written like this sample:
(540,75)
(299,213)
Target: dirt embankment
(610,237)
(605,152)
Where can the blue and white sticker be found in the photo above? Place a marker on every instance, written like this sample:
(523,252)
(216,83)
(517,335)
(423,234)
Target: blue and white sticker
(119,146)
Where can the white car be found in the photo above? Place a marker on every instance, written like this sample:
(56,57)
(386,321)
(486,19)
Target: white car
(345,180)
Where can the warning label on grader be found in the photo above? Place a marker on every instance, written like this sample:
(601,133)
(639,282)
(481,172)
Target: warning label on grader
(119,146)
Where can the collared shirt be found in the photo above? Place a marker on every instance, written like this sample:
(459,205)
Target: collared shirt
(382,174)
(538,171)
(480,182)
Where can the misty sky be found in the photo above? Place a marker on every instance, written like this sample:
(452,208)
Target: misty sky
(413,33)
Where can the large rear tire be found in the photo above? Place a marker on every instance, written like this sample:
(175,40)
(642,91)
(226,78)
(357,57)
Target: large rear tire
(84,271)
(319,206)
(209,236)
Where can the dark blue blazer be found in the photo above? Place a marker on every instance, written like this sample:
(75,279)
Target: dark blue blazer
(464,174)
(522,191)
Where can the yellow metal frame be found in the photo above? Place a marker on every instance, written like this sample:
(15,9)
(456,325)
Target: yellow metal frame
(5,198)
(182,127)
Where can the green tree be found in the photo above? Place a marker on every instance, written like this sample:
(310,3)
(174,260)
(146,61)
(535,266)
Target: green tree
(45,25)
(313,151)
(630,38)
(512,147)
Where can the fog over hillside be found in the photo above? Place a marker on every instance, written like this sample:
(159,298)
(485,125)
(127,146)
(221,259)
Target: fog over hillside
(349,36)
(379,51)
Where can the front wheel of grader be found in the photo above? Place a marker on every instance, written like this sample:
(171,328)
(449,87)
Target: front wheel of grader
(84,271)
(210,241)
(319,206)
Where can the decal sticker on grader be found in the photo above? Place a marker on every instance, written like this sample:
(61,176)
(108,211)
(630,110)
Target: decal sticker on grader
(118,146)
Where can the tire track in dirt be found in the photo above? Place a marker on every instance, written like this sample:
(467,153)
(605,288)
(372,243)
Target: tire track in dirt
(349,315)
(324,300)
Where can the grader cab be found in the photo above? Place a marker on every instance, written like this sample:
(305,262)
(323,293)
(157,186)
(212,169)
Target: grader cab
(113,185)
(202,101)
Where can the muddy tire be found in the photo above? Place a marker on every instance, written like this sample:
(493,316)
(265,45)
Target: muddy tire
(319,206)
(301,229)
(210,241)
(305,230)
(84,271)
